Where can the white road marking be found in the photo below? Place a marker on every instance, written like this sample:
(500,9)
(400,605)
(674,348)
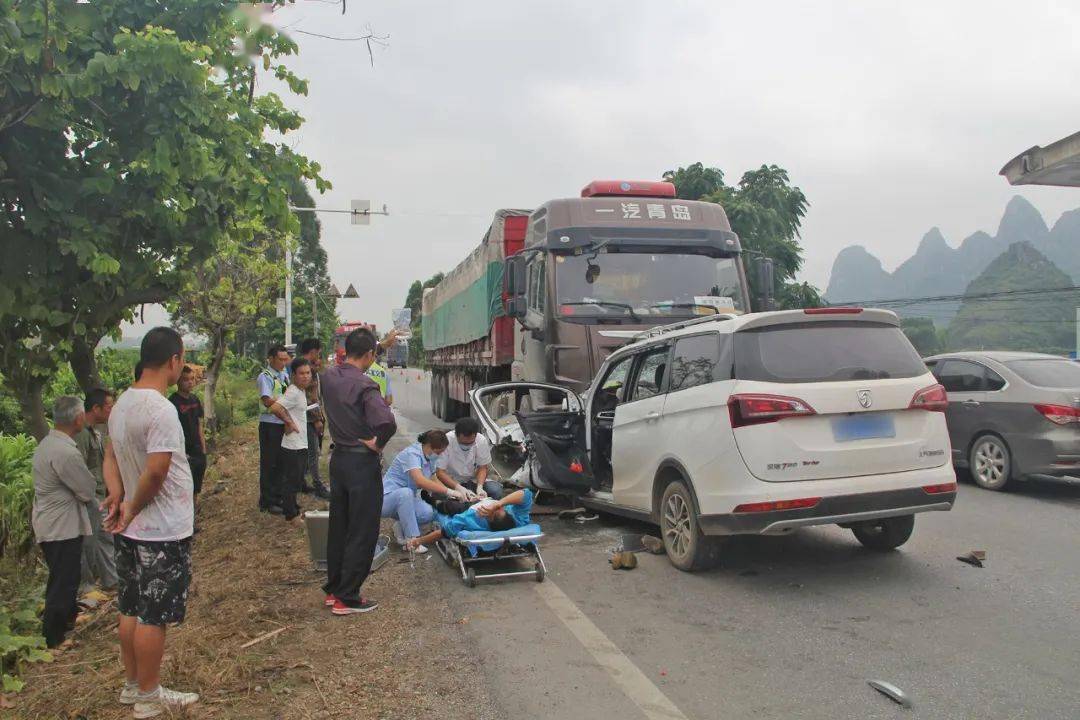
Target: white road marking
(635,684)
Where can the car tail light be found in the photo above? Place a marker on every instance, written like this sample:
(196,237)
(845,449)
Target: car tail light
(933,398)
(833,311)
(757,409)
(800,504)
(1060,414)
(938,489)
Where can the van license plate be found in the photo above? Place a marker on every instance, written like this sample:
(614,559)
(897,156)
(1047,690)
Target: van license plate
(863,426)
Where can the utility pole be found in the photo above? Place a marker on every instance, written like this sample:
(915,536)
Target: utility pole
(288,295)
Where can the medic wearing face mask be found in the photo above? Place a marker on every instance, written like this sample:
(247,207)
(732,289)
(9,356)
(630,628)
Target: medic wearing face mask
(411,471)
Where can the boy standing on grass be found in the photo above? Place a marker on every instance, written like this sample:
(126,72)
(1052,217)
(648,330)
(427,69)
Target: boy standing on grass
(189,409)
(150,510)
(292,407)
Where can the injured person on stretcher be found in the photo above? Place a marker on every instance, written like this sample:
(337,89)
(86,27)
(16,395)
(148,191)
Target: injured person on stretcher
(453,516)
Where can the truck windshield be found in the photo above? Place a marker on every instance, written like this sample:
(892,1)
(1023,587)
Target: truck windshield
(633,285)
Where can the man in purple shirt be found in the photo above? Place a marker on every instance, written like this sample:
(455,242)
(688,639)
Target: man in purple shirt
(360,425)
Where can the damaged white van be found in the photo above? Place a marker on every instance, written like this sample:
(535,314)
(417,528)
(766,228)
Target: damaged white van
(756,424)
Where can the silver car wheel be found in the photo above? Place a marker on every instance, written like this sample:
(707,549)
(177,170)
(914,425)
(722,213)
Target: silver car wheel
(990,463)
(677,525)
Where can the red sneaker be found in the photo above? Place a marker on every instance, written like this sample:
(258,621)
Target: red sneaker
(365,605)
(330,600)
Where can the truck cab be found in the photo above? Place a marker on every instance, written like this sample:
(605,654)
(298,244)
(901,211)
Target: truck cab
(625,256)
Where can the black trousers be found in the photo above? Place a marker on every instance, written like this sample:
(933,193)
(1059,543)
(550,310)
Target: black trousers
(293,463)
(197,463)
(270,435)
(356,494)
(64,558)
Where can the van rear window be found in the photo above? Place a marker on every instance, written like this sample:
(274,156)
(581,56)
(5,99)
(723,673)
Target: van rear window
(825,352)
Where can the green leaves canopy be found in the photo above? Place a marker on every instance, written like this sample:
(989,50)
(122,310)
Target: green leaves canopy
(766,212)
(131,142)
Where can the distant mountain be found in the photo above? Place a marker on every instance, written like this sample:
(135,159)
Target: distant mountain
(936,268)
(1036,321)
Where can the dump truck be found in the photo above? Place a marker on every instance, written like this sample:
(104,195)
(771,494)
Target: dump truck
(549,293)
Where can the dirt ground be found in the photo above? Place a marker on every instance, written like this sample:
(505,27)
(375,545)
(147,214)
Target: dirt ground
(253,576)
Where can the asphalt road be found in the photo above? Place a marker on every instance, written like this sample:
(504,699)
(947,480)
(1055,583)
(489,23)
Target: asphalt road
(789,626)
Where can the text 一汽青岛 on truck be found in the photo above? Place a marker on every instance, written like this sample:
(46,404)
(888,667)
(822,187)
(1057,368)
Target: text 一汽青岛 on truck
(624,256)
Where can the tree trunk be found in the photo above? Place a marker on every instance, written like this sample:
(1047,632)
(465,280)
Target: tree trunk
(84,364)
(218,343)
(33,406)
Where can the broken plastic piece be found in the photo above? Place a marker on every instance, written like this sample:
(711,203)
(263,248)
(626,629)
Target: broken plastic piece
(974,557)
(891,691)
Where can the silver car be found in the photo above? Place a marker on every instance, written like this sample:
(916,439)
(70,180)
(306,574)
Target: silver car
(1012,415)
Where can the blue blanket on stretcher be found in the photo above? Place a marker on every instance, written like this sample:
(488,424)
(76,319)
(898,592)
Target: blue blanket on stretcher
(496,535)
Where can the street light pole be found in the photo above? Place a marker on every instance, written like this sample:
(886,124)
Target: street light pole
(288,295)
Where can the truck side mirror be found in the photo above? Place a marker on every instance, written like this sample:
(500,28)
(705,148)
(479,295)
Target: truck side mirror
(516,306)
(766,282)
(514,275)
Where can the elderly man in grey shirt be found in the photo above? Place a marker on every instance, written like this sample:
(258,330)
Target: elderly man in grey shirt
(62,487)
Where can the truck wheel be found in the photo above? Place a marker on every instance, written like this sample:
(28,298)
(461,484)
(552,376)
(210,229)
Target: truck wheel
(886,533)
(687,548)
(440,396)
(433,390)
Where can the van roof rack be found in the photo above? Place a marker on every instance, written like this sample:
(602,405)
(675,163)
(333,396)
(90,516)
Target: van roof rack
(664,329)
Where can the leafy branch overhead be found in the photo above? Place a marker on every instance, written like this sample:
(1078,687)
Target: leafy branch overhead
(131,146)
(766,212)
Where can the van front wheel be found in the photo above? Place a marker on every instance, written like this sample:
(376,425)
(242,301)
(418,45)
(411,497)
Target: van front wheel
(687,548)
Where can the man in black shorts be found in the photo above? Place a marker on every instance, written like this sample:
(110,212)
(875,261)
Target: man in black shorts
(150,509)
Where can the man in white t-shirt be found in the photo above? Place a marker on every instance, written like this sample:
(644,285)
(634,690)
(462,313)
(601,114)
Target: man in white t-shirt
(150,510)
(292,409)
(467,461)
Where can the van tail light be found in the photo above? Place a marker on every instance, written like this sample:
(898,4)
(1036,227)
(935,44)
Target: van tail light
(1060,414)
(758,409)
(800,504)
(932,398)
(939,489)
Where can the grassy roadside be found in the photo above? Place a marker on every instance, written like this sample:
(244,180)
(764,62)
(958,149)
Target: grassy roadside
(252,576)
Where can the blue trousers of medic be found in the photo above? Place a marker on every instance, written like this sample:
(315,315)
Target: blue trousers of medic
(405,506)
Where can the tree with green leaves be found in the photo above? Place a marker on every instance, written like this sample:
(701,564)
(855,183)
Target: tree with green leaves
(766,212)
(227,291)
(131,141)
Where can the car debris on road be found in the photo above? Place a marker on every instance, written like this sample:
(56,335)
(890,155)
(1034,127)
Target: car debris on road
(973,557)
(891,691)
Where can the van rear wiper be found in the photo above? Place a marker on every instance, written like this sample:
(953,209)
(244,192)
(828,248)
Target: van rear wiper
(629,308)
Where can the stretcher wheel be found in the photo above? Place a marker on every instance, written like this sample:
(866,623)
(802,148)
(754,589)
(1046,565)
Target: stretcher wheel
(539,572)
(470,578)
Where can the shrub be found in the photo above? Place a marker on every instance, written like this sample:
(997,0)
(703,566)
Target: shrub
(16,493)
(20,641)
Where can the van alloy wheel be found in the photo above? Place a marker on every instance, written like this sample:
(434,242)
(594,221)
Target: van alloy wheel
(991,464)
(677,525)
(687,548)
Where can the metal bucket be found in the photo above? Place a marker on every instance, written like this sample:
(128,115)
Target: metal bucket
(318,524)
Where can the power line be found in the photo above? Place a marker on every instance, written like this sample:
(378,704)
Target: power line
(883,302)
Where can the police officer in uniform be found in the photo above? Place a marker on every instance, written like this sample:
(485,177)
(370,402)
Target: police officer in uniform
(360,424)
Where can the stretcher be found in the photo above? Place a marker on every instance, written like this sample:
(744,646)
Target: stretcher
(473,550)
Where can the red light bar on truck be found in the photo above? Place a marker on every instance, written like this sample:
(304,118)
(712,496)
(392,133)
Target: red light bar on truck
(628,188)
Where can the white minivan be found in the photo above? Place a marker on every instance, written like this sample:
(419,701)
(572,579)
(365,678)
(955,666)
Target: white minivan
(730,425)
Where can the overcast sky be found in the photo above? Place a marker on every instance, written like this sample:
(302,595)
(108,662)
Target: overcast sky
(892,117)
